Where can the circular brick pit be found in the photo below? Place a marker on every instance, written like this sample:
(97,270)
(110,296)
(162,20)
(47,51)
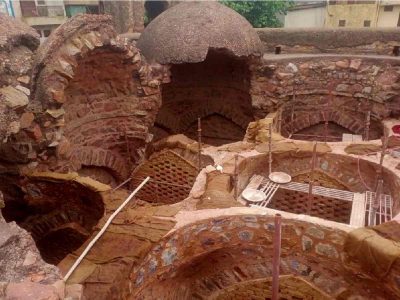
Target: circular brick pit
(331,171)
(216,90)
(308,118)
(60,215)
(216,258)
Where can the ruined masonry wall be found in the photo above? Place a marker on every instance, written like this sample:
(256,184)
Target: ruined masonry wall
(326,40)
(334,88)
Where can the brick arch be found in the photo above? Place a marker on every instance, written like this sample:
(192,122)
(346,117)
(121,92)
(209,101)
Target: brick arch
(220,86)
(305,120)
(98,87)
(229,111)
(98,157)
(207,257)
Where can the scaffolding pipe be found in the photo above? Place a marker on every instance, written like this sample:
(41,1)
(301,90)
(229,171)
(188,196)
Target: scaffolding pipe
(110,219)
(270,149)
(276,260)
(199,141)
(311,183)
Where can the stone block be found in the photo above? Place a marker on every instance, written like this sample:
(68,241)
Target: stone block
(326,250)
(13,98)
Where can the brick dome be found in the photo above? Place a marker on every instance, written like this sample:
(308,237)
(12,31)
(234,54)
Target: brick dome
(185,33)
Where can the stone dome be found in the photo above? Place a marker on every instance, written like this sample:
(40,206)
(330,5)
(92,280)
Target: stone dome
(185,33)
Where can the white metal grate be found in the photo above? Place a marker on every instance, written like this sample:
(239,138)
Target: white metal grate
(378,212)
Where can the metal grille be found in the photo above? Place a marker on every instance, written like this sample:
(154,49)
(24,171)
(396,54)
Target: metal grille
(378,212)
(171,175)
(319,190)
(321,206)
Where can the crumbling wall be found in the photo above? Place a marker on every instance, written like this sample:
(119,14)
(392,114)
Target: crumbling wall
(94,100)
(309,90)
(17,45)
(325,40)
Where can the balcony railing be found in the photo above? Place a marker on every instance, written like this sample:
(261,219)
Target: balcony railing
(50,11)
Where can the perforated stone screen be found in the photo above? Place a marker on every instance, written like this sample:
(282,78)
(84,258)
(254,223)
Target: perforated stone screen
(171,175)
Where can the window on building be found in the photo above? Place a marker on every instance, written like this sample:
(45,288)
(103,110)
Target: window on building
(72,10)
(342,23)
(367,23)
(351,2)
(388,8)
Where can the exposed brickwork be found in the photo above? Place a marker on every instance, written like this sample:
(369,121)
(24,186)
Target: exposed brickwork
(100,99)
(311,90)
(330,40)
(216,90)
(202,259)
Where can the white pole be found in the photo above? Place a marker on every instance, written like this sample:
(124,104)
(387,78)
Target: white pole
(78,261)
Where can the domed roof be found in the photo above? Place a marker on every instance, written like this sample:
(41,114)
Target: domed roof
(185,32)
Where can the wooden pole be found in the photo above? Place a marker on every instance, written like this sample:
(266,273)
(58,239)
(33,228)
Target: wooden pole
(276,260)
(199,141)
(270,149)
(311,183)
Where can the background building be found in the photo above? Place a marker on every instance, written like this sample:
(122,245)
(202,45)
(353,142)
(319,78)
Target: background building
(306,14)
(344,13)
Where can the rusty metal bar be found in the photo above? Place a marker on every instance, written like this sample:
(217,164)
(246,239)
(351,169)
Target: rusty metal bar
(270,149)
(326,129)
(279,129)
(311,180)
(292,114)
(236,177)
(317,136)
(199,141)
(276,260)
(367,125)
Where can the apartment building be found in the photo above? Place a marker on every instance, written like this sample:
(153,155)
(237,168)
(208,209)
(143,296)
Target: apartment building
(46,15)
(344,13)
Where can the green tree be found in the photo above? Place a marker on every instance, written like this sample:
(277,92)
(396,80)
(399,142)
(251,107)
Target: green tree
(260,13)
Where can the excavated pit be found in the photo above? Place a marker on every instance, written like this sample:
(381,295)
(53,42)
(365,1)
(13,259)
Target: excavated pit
(60,215)
(339,174)
(215,90)
(309,119)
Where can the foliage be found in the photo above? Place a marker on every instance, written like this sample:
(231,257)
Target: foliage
(260,13)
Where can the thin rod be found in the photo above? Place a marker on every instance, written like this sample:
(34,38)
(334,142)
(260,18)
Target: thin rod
(316,135)
(367,125)
(270,149)
(236,177)
(326,128)
(292,117)
(91,244)
(311,181)
(128,150)
(122,184)
(165,183)
(276,260)
(280,120)
(199,142)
